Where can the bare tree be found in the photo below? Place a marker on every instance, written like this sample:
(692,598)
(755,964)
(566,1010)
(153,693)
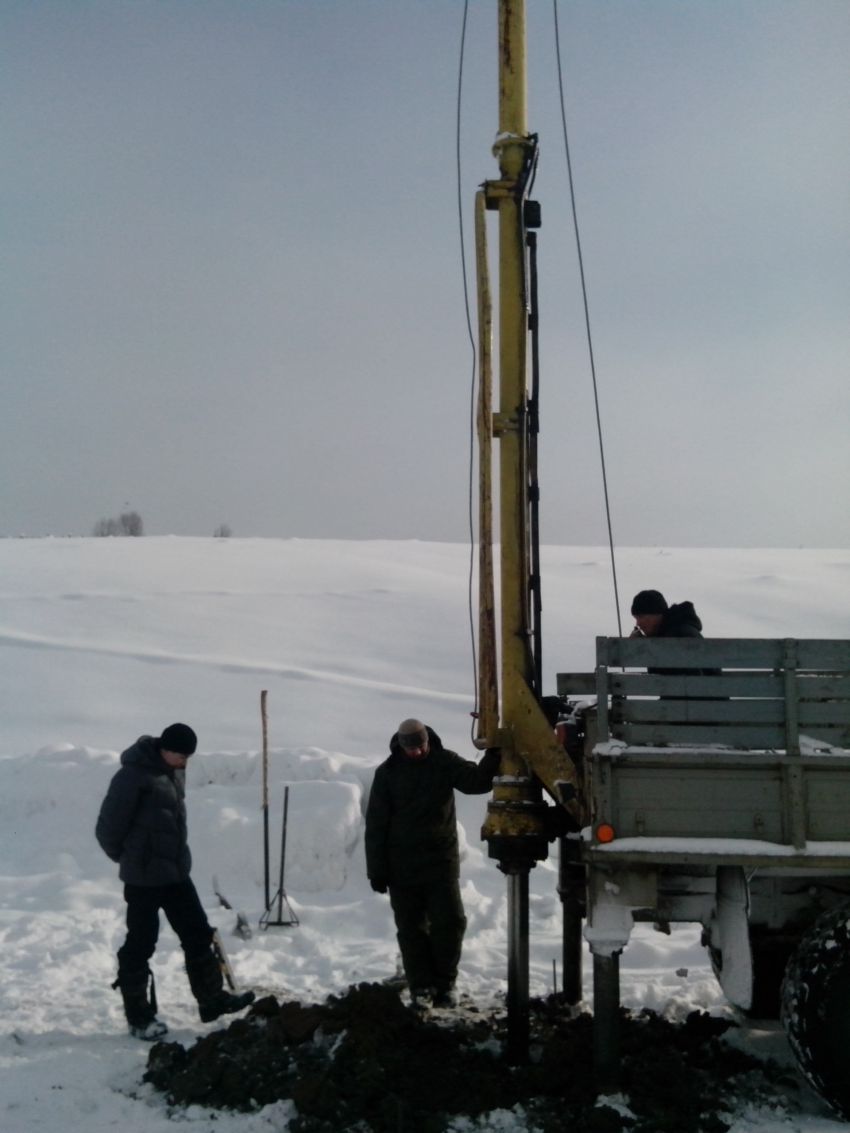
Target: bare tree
(130,523)
(223,531)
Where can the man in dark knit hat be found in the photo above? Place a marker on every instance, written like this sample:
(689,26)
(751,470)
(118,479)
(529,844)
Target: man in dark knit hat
(142,826)
(654,618)
(412,852)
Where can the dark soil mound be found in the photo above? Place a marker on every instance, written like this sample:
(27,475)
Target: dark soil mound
(364,1061)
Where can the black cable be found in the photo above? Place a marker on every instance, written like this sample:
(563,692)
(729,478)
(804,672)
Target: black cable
(472,414)
(586,318)
(533,485)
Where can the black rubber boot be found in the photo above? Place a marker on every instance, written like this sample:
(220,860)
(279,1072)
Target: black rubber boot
(207,984)
(139,1009)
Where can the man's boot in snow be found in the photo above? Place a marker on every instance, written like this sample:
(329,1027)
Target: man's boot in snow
(207,984)
(139,1009)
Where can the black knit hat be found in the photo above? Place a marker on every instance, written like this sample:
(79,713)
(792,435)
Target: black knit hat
(178,738)
(649,602)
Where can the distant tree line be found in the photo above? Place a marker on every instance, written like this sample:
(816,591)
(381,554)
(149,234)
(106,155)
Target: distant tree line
(129,523)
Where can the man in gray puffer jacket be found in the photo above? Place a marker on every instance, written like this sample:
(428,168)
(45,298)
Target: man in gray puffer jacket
(142,826)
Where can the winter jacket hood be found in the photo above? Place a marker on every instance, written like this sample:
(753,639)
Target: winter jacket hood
(145,752)
(680,620)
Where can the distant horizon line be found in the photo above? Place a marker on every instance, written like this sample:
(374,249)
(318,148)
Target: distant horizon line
(446,542)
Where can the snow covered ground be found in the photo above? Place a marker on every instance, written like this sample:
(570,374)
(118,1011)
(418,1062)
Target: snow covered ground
(105,639)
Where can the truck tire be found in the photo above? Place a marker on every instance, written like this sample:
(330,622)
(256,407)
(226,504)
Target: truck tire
(816,1007)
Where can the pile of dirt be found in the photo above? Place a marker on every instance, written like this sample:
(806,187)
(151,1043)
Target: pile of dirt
(364,1061)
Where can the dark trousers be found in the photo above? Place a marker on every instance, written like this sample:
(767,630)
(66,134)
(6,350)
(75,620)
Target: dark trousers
(430,923)
(184,912)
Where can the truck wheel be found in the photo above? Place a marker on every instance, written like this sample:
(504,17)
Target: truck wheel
(816,1007)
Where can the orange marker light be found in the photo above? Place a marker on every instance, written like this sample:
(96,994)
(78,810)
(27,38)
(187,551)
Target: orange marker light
(605,832)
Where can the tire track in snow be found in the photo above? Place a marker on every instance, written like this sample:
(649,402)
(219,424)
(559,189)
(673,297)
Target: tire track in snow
(228,664)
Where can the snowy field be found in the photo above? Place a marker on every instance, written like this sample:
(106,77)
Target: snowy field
(103,640)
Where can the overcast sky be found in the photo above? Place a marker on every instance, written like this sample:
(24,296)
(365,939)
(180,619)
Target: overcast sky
(232,291)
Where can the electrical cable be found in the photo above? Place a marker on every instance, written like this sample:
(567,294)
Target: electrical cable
(473,384)
(586,318)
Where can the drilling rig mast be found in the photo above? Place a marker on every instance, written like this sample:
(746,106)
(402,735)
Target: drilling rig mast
(517,826)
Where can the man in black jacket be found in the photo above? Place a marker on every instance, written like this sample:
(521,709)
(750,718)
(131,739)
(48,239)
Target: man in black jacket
(412,851)
(654,618)
(142,826)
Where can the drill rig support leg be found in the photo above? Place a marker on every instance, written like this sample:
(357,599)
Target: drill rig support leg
(518,1023)
(606,1022)
(571,890)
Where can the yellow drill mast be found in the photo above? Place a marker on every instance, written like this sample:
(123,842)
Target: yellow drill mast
(516,826)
